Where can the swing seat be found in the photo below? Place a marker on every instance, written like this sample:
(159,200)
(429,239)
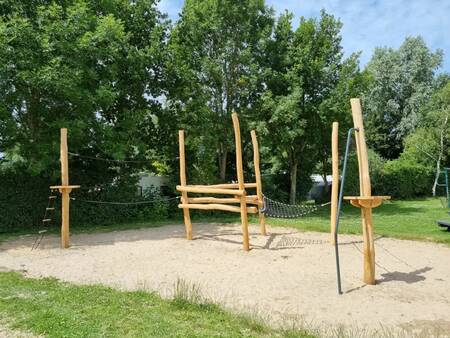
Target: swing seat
(366,201)
(444,224)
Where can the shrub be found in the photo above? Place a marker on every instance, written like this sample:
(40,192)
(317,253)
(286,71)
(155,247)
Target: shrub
(401,178)
(405,179)
(24,197)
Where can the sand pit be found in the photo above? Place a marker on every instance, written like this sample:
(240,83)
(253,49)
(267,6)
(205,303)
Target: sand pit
(286,275)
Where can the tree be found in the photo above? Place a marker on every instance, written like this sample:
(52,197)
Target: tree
(94,67)
(314,75)
(217,49)
(402,81)
(430,143)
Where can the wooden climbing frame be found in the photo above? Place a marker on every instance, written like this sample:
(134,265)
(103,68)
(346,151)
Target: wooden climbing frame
(247,203)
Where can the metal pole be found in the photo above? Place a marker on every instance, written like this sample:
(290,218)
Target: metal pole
(447,192)
(338,214)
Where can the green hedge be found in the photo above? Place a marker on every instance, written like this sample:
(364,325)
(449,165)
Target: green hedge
(24,197)
(405,179)
(399,178)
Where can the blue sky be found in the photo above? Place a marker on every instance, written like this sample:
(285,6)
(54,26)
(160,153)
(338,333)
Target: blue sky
(370,23)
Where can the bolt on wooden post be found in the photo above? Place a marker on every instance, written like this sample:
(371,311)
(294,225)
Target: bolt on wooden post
(65,189)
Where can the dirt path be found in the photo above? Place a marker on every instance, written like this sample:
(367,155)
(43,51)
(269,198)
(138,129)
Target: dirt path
(286,275)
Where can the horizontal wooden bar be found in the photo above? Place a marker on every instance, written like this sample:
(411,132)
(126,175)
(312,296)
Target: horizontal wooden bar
(209,190)
(212,206)
(64,186)
(228,200)
(366,198)
(227,185)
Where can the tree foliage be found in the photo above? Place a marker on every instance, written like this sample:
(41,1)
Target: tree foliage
(402,82)
(310,79)
(93,67)
(218,54)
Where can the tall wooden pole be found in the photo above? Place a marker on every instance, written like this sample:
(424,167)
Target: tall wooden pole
(184,194)
(262,223)
(365,191)
(335,180)
(65,193)
(65,189)
(240,176)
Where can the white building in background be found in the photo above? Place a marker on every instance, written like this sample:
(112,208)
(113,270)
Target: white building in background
(147,181)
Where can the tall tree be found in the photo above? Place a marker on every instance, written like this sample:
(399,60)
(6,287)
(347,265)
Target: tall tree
(429,144)
(314,76)
(218,47)
(94,67)
(402,82)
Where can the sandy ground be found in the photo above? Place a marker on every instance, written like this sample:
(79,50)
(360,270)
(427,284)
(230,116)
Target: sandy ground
(286,276)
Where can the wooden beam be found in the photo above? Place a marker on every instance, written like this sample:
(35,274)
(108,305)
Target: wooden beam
(227,185)
(365,191)
(206,190)
(184,195)
(229,200)
(212,206)
(262,223)
(335,179)
(240,177)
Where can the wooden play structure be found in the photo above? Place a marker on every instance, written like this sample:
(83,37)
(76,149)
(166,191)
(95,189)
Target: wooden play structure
(65,189)
(246,203)
(365,201)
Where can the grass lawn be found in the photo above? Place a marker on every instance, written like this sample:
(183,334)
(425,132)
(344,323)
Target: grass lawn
(55,309)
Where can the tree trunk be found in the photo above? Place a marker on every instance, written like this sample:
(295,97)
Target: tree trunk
(222,162)
(293,180)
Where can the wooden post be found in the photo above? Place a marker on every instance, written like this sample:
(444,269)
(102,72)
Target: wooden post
(262,223)
(65,194)
(65,189)
(184,194)
(240,177)
(365,191)
(335,180)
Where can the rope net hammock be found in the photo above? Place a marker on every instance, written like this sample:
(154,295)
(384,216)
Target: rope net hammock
(277,209)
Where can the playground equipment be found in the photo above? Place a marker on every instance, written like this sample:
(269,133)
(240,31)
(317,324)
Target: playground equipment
(65,189)
(366,202)
(444,224)
(446,173)
(238,190)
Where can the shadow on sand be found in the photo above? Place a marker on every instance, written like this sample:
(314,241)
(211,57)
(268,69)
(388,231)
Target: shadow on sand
(406,277)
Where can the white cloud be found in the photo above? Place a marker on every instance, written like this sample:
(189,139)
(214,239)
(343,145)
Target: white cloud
(371,23)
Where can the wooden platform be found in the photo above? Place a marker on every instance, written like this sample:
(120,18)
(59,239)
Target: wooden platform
(366,201)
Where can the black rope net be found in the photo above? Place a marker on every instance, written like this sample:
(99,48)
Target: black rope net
(277,209)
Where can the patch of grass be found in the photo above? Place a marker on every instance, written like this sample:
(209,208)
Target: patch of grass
(413,219)
(54,309)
